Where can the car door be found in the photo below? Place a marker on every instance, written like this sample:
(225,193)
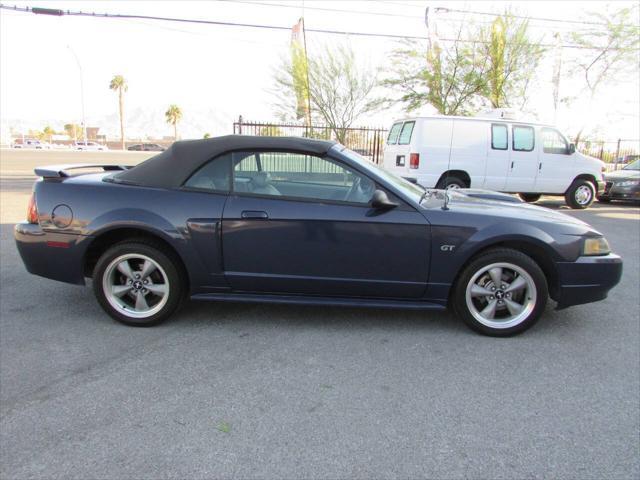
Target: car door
(498,161)
(523,158)
(557,166)
(301,224)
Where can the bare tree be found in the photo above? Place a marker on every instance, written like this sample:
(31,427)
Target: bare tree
(609,54)
(340,89)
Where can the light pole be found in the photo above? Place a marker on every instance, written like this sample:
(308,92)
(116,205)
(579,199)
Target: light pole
(84,125)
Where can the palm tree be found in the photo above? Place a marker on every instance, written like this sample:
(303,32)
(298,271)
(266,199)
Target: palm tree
(173,115)
(119,84)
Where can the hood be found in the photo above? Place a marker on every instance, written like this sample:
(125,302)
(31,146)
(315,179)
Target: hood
(622,174)
(492,205)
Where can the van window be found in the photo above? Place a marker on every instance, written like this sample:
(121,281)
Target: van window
(523,138)
(405,134)
(499,137)
(554,142)
(392,139)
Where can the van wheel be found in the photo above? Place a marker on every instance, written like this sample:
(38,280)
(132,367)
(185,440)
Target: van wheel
(502,292)
(529,197)
(580,194)
(451,183)
(137,283)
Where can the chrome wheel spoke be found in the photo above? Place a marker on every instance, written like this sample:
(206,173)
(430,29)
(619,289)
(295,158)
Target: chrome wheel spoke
(490,310)
(141,302)
(496,276)
(120,290)
(478,291)
(157,288)
(517,284)
(147,269)
(125,269)
(513,307)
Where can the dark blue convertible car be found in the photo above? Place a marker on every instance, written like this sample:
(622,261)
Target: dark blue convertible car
(265,219)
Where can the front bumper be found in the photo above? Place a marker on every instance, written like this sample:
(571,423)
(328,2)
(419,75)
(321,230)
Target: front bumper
(587,280)
(58,256)
(612,191)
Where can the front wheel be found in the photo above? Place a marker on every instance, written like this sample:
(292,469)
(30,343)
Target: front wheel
(502,292)
(451,182)
(580,194)
(138,283)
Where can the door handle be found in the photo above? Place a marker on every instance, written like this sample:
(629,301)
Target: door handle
(255,214)
(511,165)
(540,166)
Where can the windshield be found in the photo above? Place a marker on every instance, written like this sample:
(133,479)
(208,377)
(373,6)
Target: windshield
(633,166)
(411,189)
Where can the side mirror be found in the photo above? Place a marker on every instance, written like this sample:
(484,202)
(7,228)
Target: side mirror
(380,201)
(572,148)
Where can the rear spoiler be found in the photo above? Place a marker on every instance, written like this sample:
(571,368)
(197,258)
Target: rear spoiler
(60,171)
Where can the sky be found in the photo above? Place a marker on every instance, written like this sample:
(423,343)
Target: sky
(216,73)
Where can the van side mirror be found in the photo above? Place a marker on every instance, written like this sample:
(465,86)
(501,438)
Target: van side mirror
(380,201)
(572,148)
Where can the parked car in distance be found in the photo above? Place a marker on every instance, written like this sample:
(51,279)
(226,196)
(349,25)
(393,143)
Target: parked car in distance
(146,147)
(93,146)
(36,144)
(492,153)
(623,184)
(627,159)
(293,220)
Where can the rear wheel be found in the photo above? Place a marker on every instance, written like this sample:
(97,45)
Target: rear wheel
(529,197)
(138,283)
(502,292)
(451,183)
(580,194)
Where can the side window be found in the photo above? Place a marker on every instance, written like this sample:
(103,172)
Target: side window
(523,138)
(392,139)
(405,134)
(554,142)
(214,176)
(299,175)
(499,136)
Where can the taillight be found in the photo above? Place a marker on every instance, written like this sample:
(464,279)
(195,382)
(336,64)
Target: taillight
(32,210)
(414,160)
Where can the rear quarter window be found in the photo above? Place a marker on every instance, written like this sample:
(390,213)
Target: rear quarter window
(405,134)
(392,139)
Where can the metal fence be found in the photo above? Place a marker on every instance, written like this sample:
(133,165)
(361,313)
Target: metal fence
(367,141)
(616,153)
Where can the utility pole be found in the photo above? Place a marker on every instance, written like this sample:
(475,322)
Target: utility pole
(84,124)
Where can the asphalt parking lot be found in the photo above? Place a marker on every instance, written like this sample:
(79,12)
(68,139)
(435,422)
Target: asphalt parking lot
(262,391)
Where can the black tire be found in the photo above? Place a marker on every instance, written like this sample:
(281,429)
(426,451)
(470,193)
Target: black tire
(529,197)
(451,181)
(507,256)
(574,195)
(604,199)
(170,273)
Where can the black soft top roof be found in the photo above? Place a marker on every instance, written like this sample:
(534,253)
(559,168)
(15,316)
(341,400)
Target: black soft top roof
(175,165)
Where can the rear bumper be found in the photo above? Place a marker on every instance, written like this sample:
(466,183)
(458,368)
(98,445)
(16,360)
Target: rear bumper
(587,280)
(51,255)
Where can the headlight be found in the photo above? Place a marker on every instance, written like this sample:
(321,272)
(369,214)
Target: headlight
(628,183)
(596,246)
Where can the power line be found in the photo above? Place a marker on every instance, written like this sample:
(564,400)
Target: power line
(324,9)
(58,12)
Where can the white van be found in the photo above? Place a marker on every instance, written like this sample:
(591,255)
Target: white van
(492,153)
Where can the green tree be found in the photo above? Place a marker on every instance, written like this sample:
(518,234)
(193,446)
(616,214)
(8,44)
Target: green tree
(119,84)
(609,54)
(513,59)
(48,133)
(340,89)
(173,115)
(449,77)
(206,135)
(74,131)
